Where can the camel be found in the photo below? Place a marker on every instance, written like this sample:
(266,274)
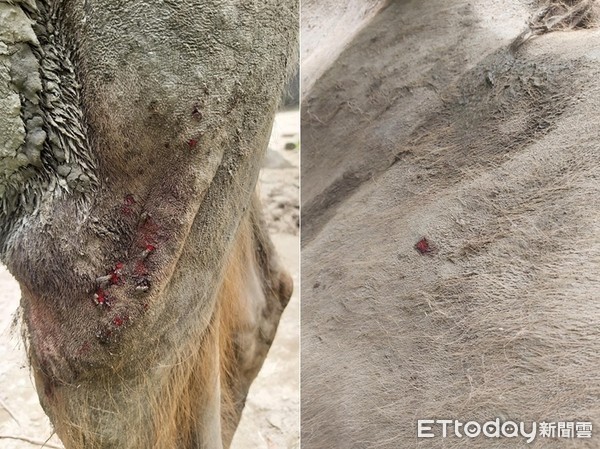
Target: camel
(450,249)
(132,137)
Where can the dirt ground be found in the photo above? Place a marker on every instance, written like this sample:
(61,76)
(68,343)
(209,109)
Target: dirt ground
(271,417)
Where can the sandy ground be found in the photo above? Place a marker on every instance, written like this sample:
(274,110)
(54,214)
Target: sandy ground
(271,417)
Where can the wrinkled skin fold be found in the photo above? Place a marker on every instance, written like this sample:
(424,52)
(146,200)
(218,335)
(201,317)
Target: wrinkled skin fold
(131,145)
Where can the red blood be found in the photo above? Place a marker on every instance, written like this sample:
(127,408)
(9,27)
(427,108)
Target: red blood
(115,277)
(150,248)
(423,246)
(192,143)
(118,321)
(100,297)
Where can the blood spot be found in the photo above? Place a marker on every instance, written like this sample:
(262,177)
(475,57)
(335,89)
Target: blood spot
(120,320)
(192,143)
(150,248)
(424,247)
(100,297)
(117,274)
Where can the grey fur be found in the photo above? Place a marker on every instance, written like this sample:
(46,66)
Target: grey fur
(488,152)
(148,131)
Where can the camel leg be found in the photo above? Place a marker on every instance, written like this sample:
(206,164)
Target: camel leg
(255,291)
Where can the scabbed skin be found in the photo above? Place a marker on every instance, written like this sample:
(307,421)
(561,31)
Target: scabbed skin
(134,133)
